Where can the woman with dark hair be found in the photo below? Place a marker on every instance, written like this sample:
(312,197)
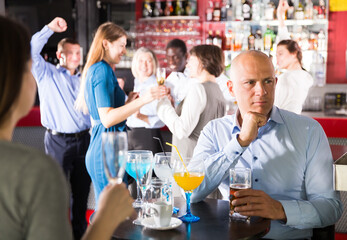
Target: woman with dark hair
(34,199)
(204,100)
(292,85)
(101,96)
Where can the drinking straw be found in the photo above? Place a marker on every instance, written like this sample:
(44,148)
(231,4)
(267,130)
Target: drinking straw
(178,155)
(161,145)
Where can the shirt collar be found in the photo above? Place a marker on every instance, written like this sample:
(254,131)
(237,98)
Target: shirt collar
(62,69)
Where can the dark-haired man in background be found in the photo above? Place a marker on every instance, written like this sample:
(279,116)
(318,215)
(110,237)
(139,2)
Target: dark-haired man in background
(67,136)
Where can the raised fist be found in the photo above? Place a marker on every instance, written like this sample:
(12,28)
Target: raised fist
(58,24)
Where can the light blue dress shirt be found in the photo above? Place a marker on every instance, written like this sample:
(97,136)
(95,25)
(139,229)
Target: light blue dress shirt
(57,89)
(290,160)
(149,109)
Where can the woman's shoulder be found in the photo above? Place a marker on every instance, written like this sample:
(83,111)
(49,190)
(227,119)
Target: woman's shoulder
(100,66)
(18,155)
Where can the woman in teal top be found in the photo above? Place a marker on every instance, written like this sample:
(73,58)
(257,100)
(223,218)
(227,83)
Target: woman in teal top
(101,96)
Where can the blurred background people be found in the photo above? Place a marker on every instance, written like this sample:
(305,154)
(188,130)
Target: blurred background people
(101,96)
(144,124)
(34,193)
(204,100)
(292,85)
(67,136)
(179,79)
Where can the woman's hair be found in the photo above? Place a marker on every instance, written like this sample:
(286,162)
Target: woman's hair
(293,47)
(211,58)
(106,31)
(135,62)
(15,54)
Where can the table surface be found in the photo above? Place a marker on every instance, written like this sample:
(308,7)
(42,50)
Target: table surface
(214,224)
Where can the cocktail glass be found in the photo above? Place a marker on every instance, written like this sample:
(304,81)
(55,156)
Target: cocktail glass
(139,166)
(189,179)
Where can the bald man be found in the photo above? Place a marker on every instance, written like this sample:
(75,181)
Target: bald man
(289,155)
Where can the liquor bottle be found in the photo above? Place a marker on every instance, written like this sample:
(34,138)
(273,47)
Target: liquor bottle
(223,11)
(268,39)
(321,10)
(216,12)
(168,11)
(228,40)
(217,40)
(229,10)
(179,11)
(290,11)
(299,11)
(251,41)
(209,39)
(209,11)
(269,11)
(258,42)
(257,10)
(322,43)
(191,7)
(313,41)
(246,10)
(157,11)
(238,11)
(309,9)
(147,9)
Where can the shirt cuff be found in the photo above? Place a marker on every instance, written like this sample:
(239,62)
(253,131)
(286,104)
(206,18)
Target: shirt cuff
(233,148)
(292,211)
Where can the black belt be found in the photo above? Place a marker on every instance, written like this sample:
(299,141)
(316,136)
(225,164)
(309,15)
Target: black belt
(75,135)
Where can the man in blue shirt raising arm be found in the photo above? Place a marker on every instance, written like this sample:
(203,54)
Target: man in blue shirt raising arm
(67,137)
(289,154)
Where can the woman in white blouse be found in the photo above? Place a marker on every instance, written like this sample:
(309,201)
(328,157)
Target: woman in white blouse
(292,85)
(144,124)
(204,100)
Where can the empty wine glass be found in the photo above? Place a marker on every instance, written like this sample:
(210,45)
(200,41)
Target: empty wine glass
(114,153)
(189,179)
(163,169)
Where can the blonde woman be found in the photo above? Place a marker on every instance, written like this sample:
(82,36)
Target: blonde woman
(101,96)
(144,124)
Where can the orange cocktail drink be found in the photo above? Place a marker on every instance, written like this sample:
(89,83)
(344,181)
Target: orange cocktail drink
(188,181)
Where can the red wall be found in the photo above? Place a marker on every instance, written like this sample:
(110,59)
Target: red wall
(337,42)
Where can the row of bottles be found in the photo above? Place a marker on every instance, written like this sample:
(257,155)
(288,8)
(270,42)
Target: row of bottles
(245,37)
(255,10)
(159,8)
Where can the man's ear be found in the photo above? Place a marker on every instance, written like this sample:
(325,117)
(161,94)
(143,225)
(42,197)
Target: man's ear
(58,53)
(230,87)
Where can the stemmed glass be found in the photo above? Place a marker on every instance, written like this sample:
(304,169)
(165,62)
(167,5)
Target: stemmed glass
(114,154)
(161,76)
(189,179)
(139,166)
(163,169)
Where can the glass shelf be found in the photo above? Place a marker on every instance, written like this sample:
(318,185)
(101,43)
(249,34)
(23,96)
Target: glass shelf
(305,22)
(170,18)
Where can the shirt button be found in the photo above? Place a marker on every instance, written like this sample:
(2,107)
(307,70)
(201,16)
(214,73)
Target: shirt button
(256,179)
(237,153)
(255,158)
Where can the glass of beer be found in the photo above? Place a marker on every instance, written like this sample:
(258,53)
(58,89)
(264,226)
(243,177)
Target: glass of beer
(240,178)
(161,75)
